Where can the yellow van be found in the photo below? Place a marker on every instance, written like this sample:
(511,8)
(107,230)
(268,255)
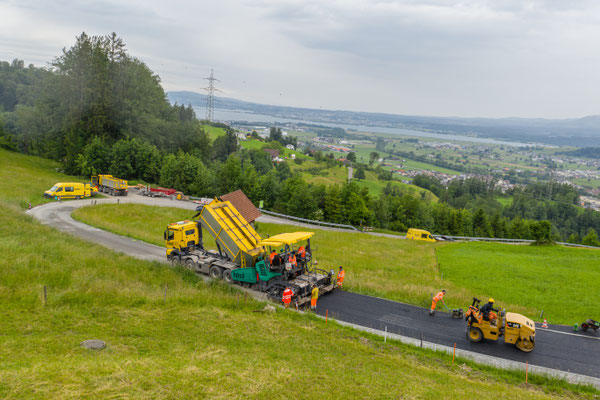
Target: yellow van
(419,234)
(69,190)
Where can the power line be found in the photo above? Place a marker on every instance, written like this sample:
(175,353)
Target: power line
(210,98)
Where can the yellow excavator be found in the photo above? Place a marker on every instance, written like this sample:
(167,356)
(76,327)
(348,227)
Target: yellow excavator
(516,328)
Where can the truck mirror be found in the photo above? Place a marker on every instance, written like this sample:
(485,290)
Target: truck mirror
(165,235)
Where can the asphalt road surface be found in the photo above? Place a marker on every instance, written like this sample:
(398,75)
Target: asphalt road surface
(557,347)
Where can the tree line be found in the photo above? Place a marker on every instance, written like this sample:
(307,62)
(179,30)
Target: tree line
(97,109)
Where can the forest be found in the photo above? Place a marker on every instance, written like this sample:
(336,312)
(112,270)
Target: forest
(97,109)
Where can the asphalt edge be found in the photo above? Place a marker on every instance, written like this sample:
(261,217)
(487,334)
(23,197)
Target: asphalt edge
(482,358)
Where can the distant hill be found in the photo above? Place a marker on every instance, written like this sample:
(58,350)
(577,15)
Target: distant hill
(575,131)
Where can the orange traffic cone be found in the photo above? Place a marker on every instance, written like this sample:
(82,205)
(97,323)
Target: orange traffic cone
(545,324)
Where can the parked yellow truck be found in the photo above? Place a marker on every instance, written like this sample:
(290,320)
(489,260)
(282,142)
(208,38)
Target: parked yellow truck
(111,185)
(69,190)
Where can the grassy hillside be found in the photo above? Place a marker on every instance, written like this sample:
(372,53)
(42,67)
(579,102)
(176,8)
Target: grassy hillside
(213,132)
(559,280)
(524,279)
(201,341)
(24,179)
(313,172)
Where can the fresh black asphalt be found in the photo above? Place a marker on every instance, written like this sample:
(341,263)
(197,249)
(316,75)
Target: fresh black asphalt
(564,351)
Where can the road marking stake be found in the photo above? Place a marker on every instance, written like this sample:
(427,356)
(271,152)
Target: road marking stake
(326,315)
(385,336)
(526,370)
(454,353)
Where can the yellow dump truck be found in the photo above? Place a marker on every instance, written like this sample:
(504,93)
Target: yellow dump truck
(111,185)
(419,234)
(69,190)
(269,265)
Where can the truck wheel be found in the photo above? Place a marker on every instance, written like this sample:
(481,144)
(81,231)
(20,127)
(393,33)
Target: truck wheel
(77,197)
(474,334)
(227,276)
(215,272)
(190,264)
(175,261)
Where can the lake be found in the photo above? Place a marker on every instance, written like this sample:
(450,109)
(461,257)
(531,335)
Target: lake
(230,116)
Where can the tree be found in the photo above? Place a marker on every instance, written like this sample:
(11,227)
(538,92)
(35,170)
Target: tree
(591,239)
(351,157)
(541,232)
(360,173)
(373,157)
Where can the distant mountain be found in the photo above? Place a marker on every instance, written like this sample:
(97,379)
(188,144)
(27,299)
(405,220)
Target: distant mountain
(574,132)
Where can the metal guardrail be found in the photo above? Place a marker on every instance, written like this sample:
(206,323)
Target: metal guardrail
(309,221)
(466,238)
(502,240)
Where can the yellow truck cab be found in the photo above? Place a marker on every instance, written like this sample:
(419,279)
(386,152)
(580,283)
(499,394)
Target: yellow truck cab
(419,234)
(69,190)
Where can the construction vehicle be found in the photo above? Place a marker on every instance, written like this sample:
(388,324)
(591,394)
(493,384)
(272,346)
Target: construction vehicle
(161,192)
(243,257)
(69,190)
(588,324)
(516,328)
(419,234)
(111,185)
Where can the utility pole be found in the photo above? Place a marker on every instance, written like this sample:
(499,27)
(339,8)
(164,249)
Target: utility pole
(210,99)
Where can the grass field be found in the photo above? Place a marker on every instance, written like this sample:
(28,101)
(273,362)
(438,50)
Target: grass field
(200,341)
(524,279)
(338,175)
(559,280)
(24,179)
(213,132)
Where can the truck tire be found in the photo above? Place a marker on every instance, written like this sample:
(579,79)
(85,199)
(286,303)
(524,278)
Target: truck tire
(175,261)
(215,272)
(190,264)
(227,276)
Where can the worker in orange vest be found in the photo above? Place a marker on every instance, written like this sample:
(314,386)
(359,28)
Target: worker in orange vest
(436,298)
(313,298)
(287,297)
(292,259)
(272,256)
(340,277)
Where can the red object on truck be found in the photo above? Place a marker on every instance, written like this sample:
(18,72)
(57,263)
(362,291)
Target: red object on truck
(165,191)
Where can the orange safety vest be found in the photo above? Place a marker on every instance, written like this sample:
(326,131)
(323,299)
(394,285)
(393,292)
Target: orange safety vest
(302,252)
(272,256)
(438,296)
(293,260)
(341,276)
(287,295)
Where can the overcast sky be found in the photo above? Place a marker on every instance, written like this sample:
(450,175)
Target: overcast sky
(471,58)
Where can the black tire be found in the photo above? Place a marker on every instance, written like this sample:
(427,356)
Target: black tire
(246,284)
(190,264)
(227,276)
(215,272)
(474,334)
(175,261)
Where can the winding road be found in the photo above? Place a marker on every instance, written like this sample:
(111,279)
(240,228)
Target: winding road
(559,351)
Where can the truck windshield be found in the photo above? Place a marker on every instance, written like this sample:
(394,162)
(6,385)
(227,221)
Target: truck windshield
(53,188)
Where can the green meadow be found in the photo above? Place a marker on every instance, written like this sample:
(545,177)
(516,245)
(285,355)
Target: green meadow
(170,334)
